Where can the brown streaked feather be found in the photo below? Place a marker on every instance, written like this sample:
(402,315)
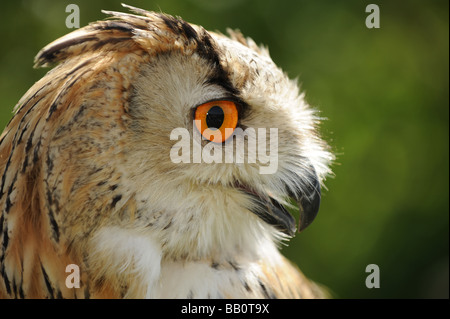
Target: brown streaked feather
(33,200)
(287,282)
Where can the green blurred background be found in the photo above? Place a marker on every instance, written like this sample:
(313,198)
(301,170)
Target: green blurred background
(384,93)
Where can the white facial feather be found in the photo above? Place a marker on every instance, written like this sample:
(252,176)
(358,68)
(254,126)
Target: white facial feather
(133,256)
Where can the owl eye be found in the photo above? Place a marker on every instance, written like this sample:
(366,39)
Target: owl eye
(216,120)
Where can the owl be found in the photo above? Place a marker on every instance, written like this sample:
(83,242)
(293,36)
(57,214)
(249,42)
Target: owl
(157,160)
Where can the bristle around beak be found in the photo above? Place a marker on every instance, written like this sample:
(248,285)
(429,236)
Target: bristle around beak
(275,214)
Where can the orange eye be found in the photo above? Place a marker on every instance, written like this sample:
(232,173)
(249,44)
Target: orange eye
(216,120)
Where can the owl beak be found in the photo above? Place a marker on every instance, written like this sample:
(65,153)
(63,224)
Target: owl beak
(273,213)
(308,199)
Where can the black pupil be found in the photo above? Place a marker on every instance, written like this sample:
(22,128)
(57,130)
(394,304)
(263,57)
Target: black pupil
(214,117)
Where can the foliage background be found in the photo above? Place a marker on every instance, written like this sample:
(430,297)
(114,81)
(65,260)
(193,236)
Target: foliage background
(384,93)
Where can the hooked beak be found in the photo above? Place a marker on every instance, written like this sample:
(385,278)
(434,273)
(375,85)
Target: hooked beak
(308,199)
(273,213)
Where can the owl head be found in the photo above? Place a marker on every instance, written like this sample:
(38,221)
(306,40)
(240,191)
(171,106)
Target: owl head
(152,123)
